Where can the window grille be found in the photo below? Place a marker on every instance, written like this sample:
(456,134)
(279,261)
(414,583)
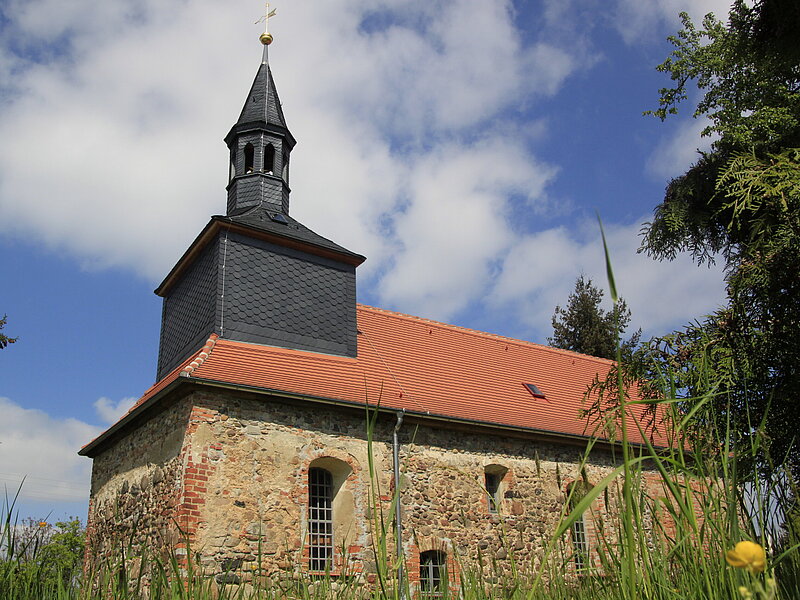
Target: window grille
(432,574)
(320,519)
(580,544)
(493,491)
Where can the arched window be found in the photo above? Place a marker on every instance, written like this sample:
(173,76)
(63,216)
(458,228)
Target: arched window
(249,155)
(269,159)
(493,476)
(320,519)
(330,511)
(232,171)
(580,543)
(432,574)
(285,168)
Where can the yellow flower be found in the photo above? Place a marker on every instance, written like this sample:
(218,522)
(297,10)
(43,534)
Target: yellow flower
(42,523)
(745,593)
(747,555)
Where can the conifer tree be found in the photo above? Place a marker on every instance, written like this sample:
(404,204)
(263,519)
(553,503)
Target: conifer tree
(583,326)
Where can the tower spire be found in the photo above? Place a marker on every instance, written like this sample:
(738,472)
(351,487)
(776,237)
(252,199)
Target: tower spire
(260,142)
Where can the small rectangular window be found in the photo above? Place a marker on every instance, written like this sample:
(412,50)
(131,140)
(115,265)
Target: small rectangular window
(535,391)
(432,574)
(493,491)
(269,159)
(249,157)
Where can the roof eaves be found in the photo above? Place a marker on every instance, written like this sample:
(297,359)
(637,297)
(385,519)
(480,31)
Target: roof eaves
(194,248)
(289,241)
(261,124)
(176,377)
(219,221)
(132,415)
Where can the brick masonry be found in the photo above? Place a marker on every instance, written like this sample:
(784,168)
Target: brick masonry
(228,474)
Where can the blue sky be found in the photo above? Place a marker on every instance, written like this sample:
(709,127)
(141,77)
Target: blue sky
(464,147)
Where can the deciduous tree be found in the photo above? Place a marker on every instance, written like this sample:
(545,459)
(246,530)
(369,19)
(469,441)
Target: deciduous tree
(740,203)
(4,339)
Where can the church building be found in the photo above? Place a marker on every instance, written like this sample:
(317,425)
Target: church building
(286,418)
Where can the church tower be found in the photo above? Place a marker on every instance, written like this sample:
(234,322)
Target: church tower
(260,144)
(256,274)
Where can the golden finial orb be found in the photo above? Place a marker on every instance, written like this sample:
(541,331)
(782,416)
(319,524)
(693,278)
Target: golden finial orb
(266,38)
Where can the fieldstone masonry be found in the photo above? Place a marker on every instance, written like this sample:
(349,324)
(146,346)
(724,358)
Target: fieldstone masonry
(227,474)
(137,489)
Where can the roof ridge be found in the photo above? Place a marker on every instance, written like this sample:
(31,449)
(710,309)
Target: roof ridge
(479,333)
(201,356)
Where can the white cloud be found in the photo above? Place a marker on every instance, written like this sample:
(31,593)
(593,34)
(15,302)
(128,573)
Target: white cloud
(678,151)
(457,223)
(638,20)
(111,412)
(540,272)
(108,155)
(43,450)
(547,66)
(117,113)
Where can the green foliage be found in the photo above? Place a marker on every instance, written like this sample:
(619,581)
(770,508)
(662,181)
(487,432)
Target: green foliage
(750,89)
(583,326)
(62,554)
(740,202)
(39,559)
(4,339)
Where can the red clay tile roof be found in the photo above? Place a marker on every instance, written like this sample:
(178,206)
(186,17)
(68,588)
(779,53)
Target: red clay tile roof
(423,366)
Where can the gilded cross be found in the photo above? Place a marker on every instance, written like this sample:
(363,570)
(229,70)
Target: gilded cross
(267,14)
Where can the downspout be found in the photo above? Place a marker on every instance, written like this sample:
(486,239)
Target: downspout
(398,524)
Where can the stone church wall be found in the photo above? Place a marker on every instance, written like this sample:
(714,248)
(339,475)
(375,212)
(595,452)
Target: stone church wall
(447,507)
(257,454)
(136,489)
(232,471)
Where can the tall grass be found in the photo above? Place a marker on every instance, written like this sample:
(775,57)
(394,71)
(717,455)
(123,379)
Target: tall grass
(668,545)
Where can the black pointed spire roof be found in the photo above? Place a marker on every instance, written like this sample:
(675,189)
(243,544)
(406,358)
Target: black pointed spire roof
(262,109)
(260,145)
(263,104)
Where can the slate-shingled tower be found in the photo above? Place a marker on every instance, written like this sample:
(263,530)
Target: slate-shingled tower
(256,274)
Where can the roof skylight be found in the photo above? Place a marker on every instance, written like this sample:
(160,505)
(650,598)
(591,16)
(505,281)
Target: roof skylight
(535,391)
